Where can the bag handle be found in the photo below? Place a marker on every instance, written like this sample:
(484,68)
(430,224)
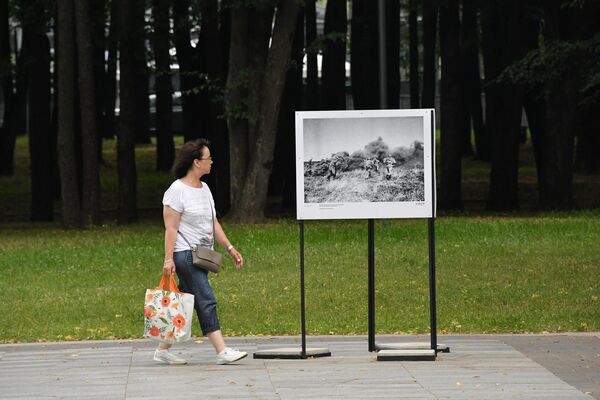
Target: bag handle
(167,282)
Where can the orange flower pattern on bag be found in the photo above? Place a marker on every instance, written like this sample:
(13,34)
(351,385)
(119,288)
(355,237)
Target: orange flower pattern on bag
(149,312)
(179,321)
(164,316)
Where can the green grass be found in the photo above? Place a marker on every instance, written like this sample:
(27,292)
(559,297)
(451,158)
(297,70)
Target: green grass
(518,272)
(493,275)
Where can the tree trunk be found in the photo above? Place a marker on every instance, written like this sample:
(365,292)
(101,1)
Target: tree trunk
(502,24)
(588,137)
(430,17)
(556,184)
(258,50)
(20,110)
(109,129)
(283,177)
(142,79)
(247,67)
(38,104)
(251,206)
(588,143)
(225,35)
(334,57)
(165,147)
(235,96)
(469,55)
(66,118)
(392,33)
(203,53)
(451,107)
(55,193)
(534,103)
(87,89)
(98,24)
(7,132)
(364,54)
(188,70)
(413,49)
(126,168)
(473,98)
(535,108)
(216,128)
(222,143)
(312,72)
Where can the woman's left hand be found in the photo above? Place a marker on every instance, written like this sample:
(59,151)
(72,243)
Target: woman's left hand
(237,258)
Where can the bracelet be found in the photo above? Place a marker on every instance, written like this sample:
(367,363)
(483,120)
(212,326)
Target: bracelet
(230,247)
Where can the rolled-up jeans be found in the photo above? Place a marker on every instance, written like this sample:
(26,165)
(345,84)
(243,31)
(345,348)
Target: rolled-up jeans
(195,281)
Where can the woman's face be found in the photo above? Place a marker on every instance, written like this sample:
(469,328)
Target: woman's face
(205,162)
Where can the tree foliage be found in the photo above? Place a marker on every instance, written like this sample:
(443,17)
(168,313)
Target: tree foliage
(552,59)
(241,79)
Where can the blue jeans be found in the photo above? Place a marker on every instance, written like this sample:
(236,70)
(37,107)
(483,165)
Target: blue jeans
(195,281)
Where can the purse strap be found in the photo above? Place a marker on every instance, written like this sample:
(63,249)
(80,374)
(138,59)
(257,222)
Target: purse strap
(191,247)
(212,213)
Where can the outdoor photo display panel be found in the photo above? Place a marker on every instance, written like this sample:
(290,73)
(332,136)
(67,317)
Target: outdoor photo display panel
(365,164)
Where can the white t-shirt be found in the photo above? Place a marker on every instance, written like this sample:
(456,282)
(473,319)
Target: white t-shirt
(194,205)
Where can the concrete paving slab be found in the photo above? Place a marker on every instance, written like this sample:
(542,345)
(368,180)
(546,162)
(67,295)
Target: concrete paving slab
(478,367)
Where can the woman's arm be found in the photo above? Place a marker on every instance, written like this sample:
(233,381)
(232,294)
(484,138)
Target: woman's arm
(221,238)
(171,219)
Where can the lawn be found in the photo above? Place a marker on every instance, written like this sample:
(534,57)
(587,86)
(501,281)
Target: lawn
(494,275)
(519,272)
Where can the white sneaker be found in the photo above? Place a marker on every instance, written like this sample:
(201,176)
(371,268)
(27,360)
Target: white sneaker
(229,355)
(165,356)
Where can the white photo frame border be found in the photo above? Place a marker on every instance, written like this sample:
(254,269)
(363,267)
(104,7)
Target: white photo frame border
(369,210)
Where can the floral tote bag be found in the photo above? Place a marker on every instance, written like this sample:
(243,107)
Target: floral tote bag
(168,312)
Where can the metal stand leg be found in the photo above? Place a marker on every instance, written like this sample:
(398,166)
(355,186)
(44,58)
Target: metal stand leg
(293,352)
(371,258)
(302,301)
(432,299)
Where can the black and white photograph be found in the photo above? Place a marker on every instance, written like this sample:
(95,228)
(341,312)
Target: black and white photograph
(359,164)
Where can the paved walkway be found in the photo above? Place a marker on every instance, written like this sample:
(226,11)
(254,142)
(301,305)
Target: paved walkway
(478,367)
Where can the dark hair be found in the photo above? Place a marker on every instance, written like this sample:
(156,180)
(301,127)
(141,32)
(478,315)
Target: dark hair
(189,152)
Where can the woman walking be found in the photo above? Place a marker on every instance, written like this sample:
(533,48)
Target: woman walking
(189,214)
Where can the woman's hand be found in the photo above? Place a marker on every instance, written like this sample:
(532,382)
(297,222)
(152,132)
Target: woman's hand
(168,267)
(237,257)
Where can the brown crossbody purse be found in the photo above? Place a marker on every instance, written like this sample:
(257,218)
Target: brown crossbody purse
(203,257)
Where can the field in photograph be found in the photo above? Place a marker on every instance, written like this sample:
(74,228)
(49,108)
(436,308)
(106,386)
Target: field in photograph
(354,187)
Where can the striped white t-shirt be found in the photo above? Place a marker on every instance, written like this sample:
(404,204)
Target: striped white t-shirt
(194,205)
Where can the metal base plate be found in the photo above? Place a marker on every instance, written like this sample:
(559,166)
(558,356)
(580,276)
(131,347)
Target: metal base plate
(441,348)
(292,353)
(406,355)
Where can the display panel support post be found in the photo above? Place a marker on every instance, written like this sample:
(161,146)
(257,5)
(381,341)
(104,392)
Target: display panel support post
(371,268)
(432,292)
(293,352)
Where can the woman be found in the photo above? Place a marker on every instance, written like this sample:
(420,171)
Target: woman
(188,211)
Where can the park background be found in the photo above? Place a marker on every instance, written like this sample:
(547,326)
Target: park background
(98,95)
